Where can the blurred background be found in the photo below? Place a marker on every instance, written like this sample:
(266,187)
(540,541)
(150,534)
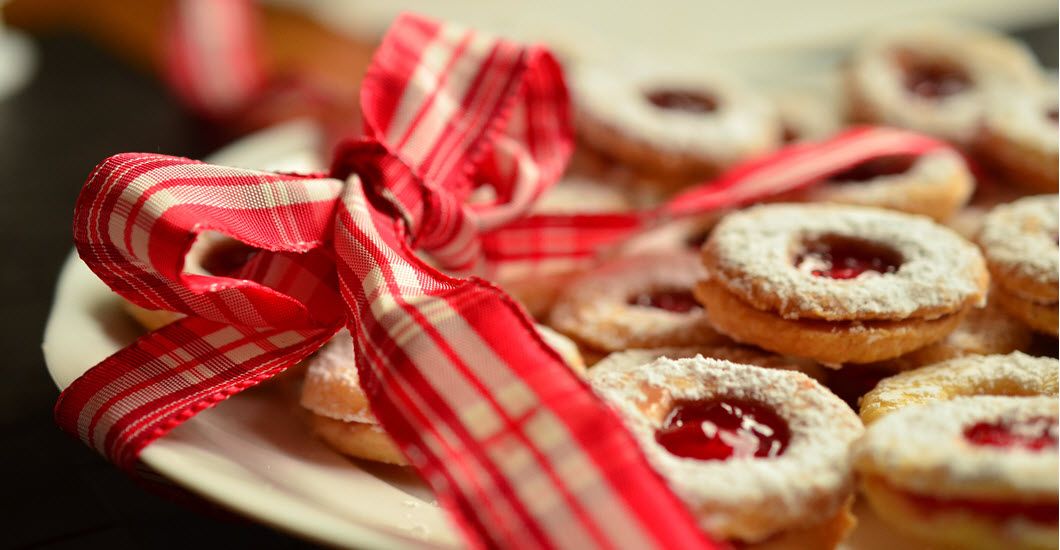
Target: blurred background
(80,80)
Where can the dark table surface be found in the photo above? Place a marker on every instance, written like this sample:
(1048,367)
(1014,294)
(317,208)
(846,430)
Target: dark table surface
(81,106)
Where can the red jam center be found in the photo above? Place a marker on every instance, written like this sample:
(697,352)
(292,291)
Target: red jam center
(723,429)
(1035,434)
(891,165)
(846,259)
(677,301)
(224,260)
(683,100)
(935,80)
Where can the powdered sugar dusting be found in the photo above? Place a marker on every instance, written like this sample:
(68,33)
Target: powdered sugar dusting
(877,76)
(744,123)
(331,387)
(1012,374)
(746,499)
(922,449)
(752,253)
(932,173)
(595,308)
(1022,118)
(1020,238)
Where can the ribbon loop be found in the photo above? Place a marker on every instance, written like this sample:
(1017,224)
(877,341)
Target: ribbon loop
(139,214)
(453,107)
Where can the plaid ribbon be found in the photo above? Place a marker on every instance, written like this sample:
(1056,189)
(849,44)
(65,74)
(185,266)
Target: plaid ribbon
(535,238)
(513,444)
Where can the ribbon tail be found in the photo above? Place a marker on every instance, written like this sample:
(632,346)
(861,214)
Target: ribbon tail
(167,376)
(511,440)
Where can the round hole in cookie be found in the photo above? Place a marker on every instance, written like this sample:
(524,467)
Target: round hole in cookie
(1034,434)
(683,100)
(720,429)
(890,165)
(932,79)
(1053,114)
(676,301)
(841,257)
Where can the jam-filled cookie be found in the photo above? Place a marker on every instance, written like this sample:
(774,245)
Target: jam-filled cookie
(339,413)
(1019,241)
(677,125)
(973,472)
(636,302)
(1018,138)
(760,456)
(934,78)
(1015,374)
(838,284)
(935,184)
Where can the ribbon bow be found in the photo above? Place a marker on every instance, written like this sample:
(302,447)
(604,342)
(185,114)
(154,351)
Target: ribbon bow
(513,444)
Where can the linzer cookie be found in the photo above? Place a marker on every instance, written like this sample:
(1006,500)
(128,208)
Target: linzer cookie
(1019,241)
(760,456)
(935,184)
(641,301)
(1015,374)
(838,284)
(974,472)
(677,125)
(1018,138)
(934,78)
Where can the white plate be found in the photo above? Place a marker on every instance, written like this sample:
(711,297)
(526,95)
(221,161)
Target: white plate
(253,453)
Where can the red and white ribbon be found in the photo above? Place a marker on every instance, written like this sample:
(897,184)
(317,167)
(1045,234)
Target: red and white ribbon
(549,236)
(514,445)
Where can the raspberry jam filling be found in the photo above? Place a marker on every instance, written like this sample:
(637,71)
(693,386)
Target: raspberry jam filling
(225,259)
(935,80)
(722,429)
(677,301)
(683,100)
(1035,434)
(890,165)
(844,258)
